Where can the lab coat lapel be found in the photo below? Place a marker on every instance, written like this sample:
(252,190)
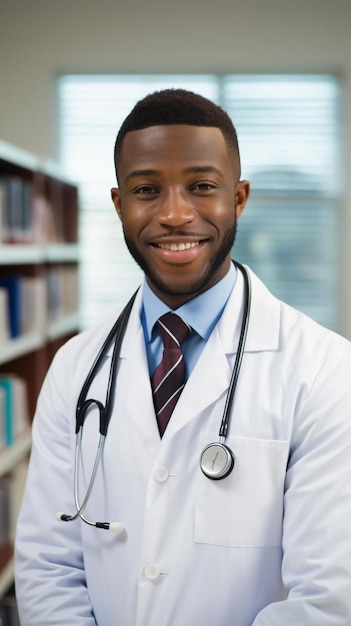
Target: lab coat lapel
(208,381)
(134,396)
(264,322)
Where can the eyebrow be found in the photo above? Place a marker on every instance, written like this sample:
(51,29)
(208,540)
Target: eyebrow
(137,173)
(196,169)
(202,169)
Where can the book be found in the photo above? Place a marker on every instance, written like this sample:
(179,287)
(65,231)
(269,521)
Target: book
(5,332)
(3,216)
(2,418)
(16,209)
(8,411)
(23,305)
(15,414)
(43,221)
(26,231)
(13,285)
(34,304)
(62,291)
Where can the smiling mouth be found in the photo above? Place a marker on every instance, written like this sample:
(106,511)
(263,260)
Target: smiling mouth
(178,247)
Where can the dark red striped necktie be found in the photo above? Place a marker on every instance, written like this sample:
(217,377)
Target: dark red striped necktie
(168,379)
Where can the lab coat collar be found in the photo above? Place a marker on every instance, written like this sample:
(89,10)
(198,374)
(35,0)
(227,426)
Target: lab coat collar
(264,325)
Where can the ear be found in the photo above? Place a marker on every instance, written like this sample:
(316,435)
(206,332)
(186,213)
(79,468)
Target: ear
(116,199)
(242,193)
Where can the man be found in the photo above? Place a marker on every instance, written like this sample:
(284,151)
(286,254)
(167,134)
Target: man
(270,543)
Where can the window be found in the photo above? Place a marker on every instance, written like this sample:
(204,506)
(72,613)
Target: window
(289,138)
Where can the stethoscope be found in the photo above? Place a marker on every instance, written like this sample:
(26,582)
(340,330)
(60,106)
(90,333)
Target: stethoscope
(216,460)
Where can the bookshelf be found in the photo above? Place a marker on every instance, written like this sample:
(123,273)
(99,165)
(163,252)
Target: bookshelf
(39,259)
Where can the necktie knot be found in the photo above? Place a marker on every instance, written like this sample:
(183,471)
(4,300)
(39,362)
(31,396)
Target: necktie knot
(173,330)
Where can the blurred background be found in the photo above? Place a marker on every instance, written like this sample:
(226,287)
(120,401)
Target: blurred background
(71,71)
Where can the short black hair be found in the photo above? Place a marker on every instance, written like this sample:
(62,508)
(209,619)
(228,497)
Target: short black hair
(178,106)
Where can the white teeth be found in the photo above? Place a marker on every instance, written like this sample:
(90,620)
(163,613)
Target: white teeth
(178,247)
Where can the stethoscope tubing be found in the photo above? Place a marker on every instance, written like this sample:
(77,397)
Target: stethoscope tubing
(223,431)
(217,458)
(116,334)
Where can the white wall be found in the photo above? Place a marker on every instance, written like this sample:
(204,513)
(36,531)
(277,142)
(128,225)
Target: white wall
(40,39)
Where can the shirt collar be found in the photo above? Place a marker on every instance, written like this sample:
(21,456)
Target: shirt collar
(201,313)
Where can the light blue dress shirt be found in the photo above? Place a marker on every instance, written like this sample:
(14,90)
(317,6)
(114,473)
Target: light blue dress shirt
(201,313)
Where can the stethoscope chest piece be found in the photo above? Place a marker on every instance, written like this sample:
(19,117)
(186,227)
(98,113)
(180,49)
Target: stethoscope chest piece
(216,461)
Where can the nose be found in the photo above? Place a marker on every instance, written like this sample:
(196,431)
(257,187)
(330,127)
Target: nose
(175,209)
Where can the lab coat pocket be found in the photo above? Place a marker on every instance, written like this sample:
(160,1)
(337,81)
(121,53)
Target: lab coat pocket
(246,508)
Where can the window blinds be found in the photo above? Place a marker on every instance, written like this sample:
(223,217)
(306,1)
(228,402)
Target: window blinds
(289,136)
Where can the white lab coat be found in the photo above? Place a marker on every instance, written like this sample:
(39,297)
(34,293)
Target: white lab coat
(268,546)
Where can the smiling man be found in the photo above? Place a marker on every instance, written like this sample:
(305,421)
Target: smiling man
(179,197)
(241,524)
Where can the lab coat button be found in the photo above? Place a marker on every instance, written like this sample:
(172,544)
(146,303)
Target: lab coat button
(161,474)
(152,571)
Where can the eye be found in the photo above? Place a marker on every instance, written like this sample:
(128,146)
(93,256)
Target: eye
(203,186)
(145,189)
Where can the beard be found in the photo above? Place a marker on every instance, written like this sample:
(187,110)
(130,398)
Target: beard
(201,283)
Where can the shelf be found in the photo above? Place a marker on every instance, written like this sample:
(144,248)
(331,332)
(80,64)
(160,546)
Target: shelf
(26,254)
(18,157)
(15,348)
(18,254)
(10,456)
(41,209)
(20,346)
(66,252)
(21,158)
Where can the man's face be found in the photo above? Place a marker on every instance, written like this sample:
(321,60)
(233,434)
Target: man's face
(179,199)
